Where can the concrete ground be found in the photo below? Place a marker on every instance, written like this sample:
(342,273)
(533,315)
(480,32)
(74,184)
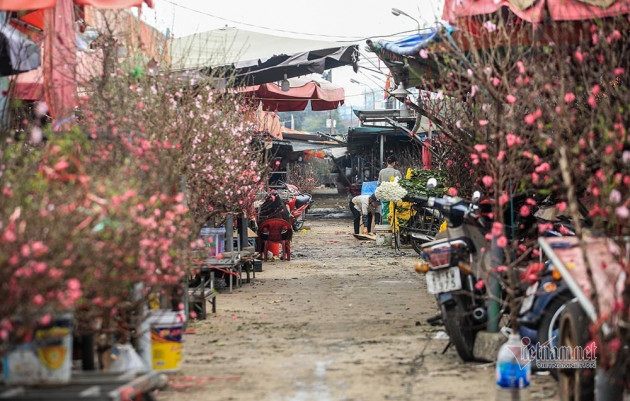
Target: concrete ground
(343,320)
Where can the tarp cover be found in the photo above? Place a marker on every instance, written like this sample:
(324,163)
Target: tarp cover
(276,68)
(17,52)
(231,45)
(411,45)
(19,5)
(297,97)
(558,10)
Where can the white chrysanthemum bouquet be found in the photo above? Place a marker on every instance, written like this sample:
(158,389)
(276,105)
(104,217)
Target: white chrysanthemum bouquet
(390,191)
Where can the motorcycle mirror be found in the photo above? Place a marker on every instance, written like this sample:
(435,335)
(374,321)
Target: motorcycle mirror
(431,183)
(476,196)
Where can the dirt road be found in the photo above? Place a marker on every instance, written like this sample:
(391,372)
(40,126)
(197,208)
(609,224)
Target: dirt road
(343,320)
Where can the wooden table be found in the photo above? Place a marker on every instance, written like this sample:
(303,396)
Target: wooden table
(92,386)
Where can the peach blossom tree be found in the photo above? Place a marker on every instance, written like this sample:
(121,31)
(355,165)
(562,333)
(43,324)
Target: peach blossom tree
(119,201)
(548,120)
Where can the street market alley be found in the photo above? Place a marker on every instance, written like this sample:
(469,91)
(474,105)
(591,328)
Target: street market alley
(343,320)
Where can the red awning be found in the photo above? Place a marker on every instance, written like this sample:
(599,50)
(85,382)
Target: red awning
(296,98)
(558,10)
(35,18)
(28,85)
(19,5)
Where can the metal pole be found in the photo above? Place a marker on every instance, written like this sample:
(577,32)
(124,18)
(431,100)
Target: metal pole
(382,149)
(494,288)
(4,87)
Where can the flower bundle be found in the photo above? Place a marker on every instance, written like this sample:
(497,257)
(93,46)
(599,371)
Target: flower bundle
(390,192)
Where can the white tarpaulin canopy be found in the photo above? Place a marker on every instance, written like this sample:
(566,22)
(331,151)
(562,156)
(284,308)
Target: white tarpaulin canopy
(230,45)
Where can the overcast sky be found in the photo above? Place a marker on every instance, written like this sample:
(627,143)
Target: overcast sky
(335,20)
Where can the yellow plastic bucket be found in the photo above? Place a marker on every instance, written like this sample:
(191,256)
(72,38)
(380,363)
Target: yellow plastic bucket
(46,360)
(166,340)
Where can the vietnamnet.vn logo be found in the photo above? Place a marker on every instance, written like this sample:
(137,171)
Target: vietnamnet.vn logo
(549,355)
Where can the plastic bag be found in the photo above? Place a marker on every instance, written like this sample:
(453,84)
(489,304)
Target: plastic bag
(125,359)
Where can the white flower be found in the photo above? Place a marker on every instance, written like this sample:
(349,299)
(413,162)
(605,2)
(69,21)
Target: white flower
(390,192)
(615,196)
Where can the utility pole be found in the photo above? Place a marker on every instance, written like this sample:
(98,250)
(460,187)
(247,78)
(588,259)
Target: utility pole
(329,79)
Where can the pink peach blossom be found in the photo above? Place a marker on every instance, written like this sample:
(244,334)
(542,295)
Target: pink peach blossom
(74,284)
(480,147)
(490,26)
(622,212)
(502,241)
(503,199)
(497,229)
(595,89)
(530,119)
(38,300)
(511,139)
(9,235)
(535,178)
(45,320)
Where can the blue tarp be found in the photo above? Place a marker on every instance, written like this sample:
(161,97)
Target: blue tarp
(411,45)
(368,187)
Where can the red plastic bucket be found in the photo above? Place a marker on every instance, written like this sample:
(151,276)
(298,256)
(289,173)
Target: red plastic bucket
(274,247)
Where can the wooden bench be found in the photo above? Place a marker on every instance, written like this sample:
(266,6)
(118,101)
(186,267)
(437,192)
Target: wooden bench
(200,295)
(247,260)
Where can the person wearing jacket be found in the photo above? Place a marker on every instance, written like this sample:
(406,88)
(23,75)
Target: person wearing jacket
(362,208)
(385,175)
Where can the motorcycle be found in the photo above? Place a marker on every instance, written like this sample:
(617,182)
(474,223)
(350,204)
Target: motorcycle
(451,266)
(545,298)
(542,307)
(422,227)
(297,202)
(580,314)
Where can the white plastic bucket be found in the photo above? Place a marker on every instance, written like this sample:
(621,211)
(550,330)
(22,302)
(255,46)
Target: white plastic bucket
(214,240)
(167,334)
(383,234)
(46,360)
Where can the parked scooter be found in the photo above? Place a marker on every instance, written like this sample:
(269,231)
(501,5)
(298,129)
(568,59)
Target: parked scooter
(579,383)
(451,265)
(545,298)
(297,202)
(543,305)
(423,226)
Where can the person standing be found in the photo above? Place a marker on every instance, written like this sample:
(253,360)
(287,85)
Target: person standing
(385,175)
(362,208)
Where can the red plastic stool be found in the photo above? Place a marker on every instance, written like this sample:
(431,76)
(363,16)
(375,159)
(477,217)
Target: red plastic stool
(276,230)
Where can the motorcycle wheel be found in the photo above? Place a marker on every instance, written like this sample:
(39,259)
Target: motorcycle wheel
(298,223)
(460,328)
(550,324)
(416,243)
(575,384)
